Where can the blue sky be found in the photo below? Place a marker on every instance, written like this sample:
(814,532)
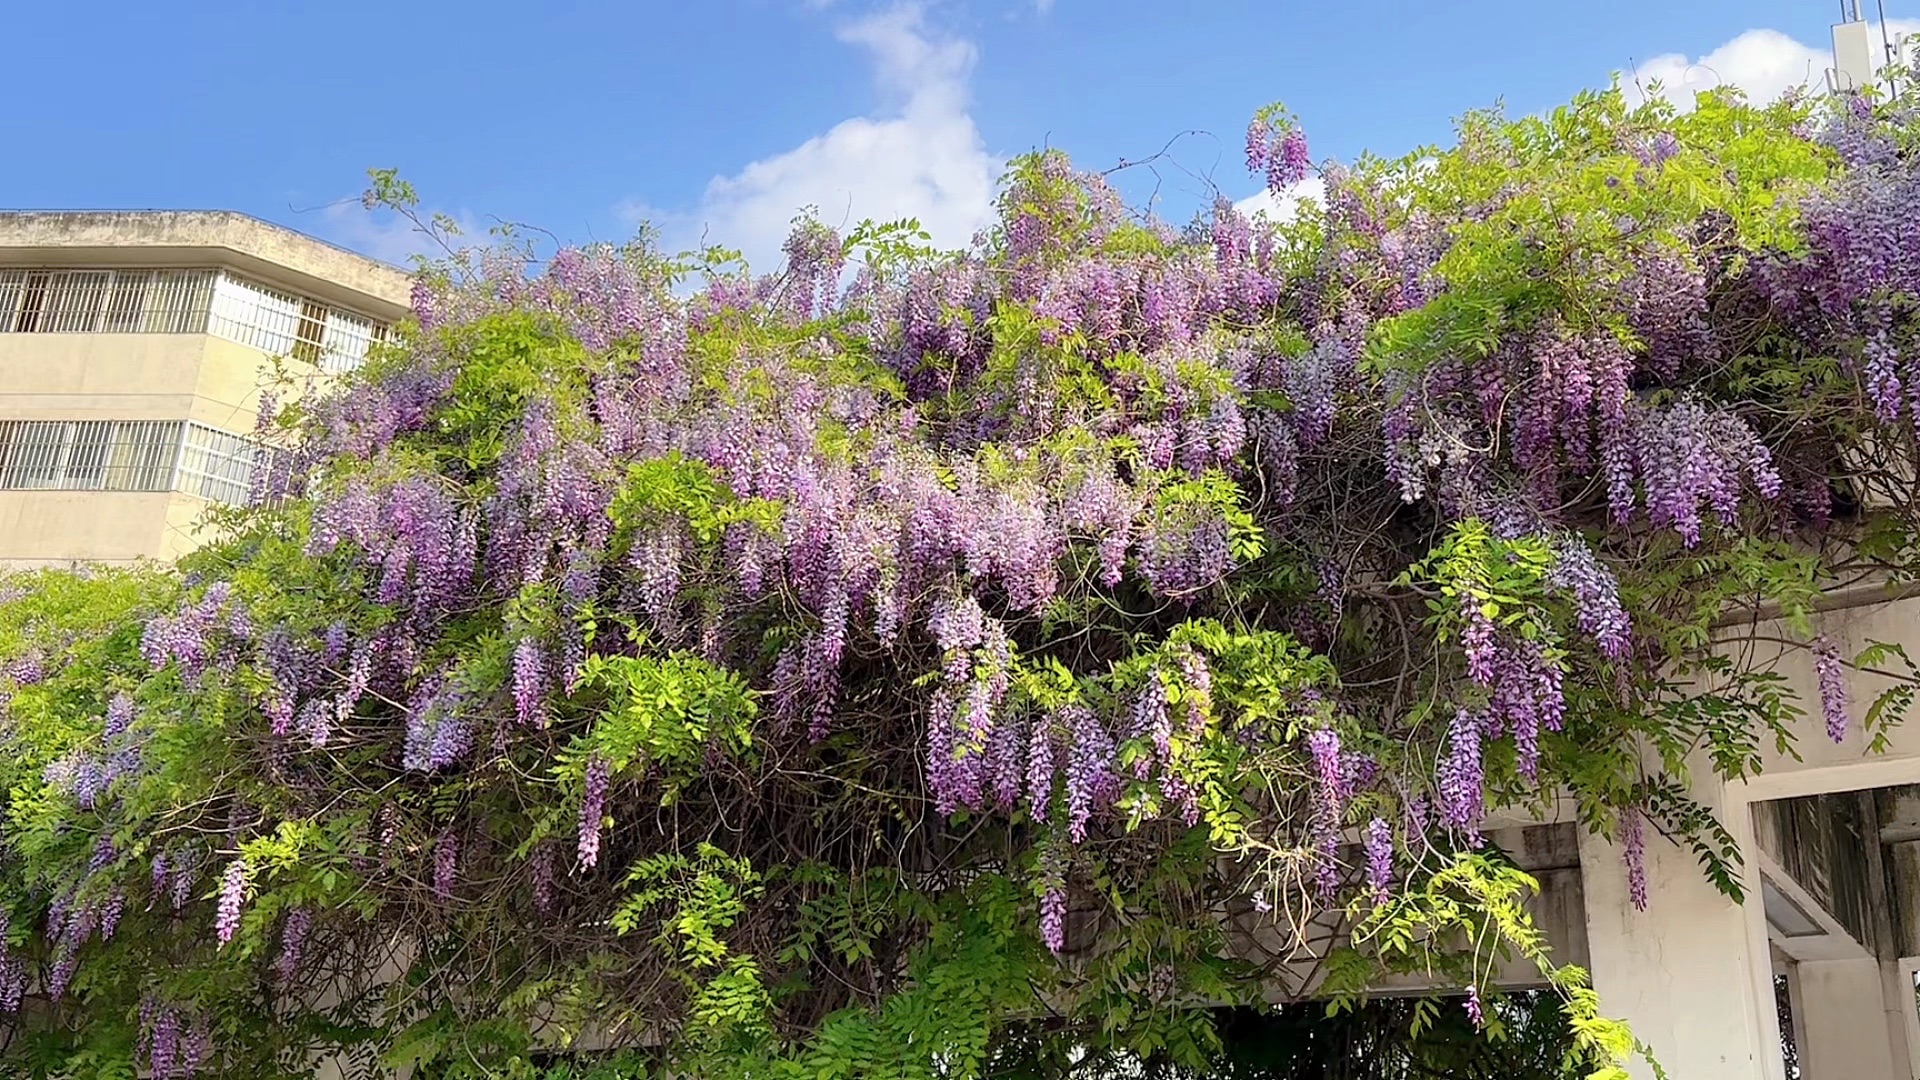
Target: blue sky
(722,118)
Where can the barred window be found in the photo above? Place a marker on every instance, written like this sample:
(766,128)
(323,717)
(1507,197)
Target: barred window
(286,325)
(104,301)
(141,455)
(185,302)
(127,455)
(112,455)
(33,456)
(216,465)
(253,315)
(347,340)
(75,301)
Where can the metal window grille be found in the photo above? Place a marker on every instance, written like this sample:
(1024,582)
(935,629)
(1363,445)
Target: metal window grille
(177,302)
(110,455)
(286,325)
(347,340)
(254,315)
(216,465)
(105,301)
(185,302)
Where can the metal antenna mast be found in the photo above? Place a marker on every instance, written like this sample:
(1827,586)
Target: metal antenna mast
(1886,42)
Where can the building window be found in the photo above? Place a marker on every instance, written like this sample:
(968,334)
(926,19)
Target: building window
(32,456)
(75,301)
(254,315)
(217,466)
(104,301)
(113,455)
(177,301)
(347,340)
(126,304)
(22,295)
(185,302)
(127,455)
(312,331)
(286,325)
(143,456)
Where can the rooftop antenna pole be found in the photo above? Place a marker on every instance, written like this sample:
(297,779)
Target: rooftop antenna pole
(1886,42)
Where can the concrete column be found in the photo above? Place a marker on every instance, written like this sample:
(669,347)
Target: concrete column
(1897,1007)
(1684,972)
(1845,1021)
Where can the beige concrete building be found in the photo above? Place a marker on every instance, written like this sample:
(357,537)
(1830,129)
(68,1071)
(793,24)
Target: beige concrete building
(133,349)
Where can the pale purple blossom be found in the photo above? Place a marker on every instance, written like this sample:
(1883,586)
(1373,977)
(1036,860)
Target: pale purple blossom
(1834,703)
(1633,840)
(233,885)
(593,808)
(1379,847)
(446,864)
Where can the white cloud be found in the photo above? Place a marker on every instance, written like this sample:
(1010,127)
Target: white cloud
(1763,63)
(1286,205)
(1043,6)
(385,235)
(918,154)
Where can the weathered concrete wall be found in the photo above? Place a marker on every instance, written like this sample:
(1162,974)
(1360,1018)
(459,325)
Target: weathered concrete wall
(227,386)
(101,376)
(1693,974)
(63,528)
(1681,972)
(205,238)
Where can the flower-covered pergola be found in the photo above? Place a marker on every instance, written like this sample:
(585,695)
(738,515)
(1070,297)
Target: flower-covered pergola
(755,673)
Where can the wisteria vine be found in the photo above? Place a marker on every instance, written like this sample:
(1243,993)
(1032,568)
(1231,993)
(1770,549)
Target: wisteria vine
(650,625)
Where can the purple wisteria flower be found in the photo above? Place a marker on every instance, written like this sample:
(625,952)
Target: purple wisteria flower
(1091,780)
(293,942)
(543,875)
(1477,641)
(593,809)
(1633,842)
(1596,597)
(1461,783)
(1834,702)
(446,864)
(1379,846)
(529,682)
(233,884)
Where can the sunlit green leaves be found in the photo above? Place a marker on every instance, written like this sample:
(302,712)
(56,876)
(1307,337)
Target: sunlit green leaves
(663,714)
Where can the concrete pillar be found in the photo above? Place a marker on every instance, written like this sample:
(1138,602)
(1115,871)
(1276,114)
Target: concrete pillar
(1684,972)
(1898,1008)
(1845,1021)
